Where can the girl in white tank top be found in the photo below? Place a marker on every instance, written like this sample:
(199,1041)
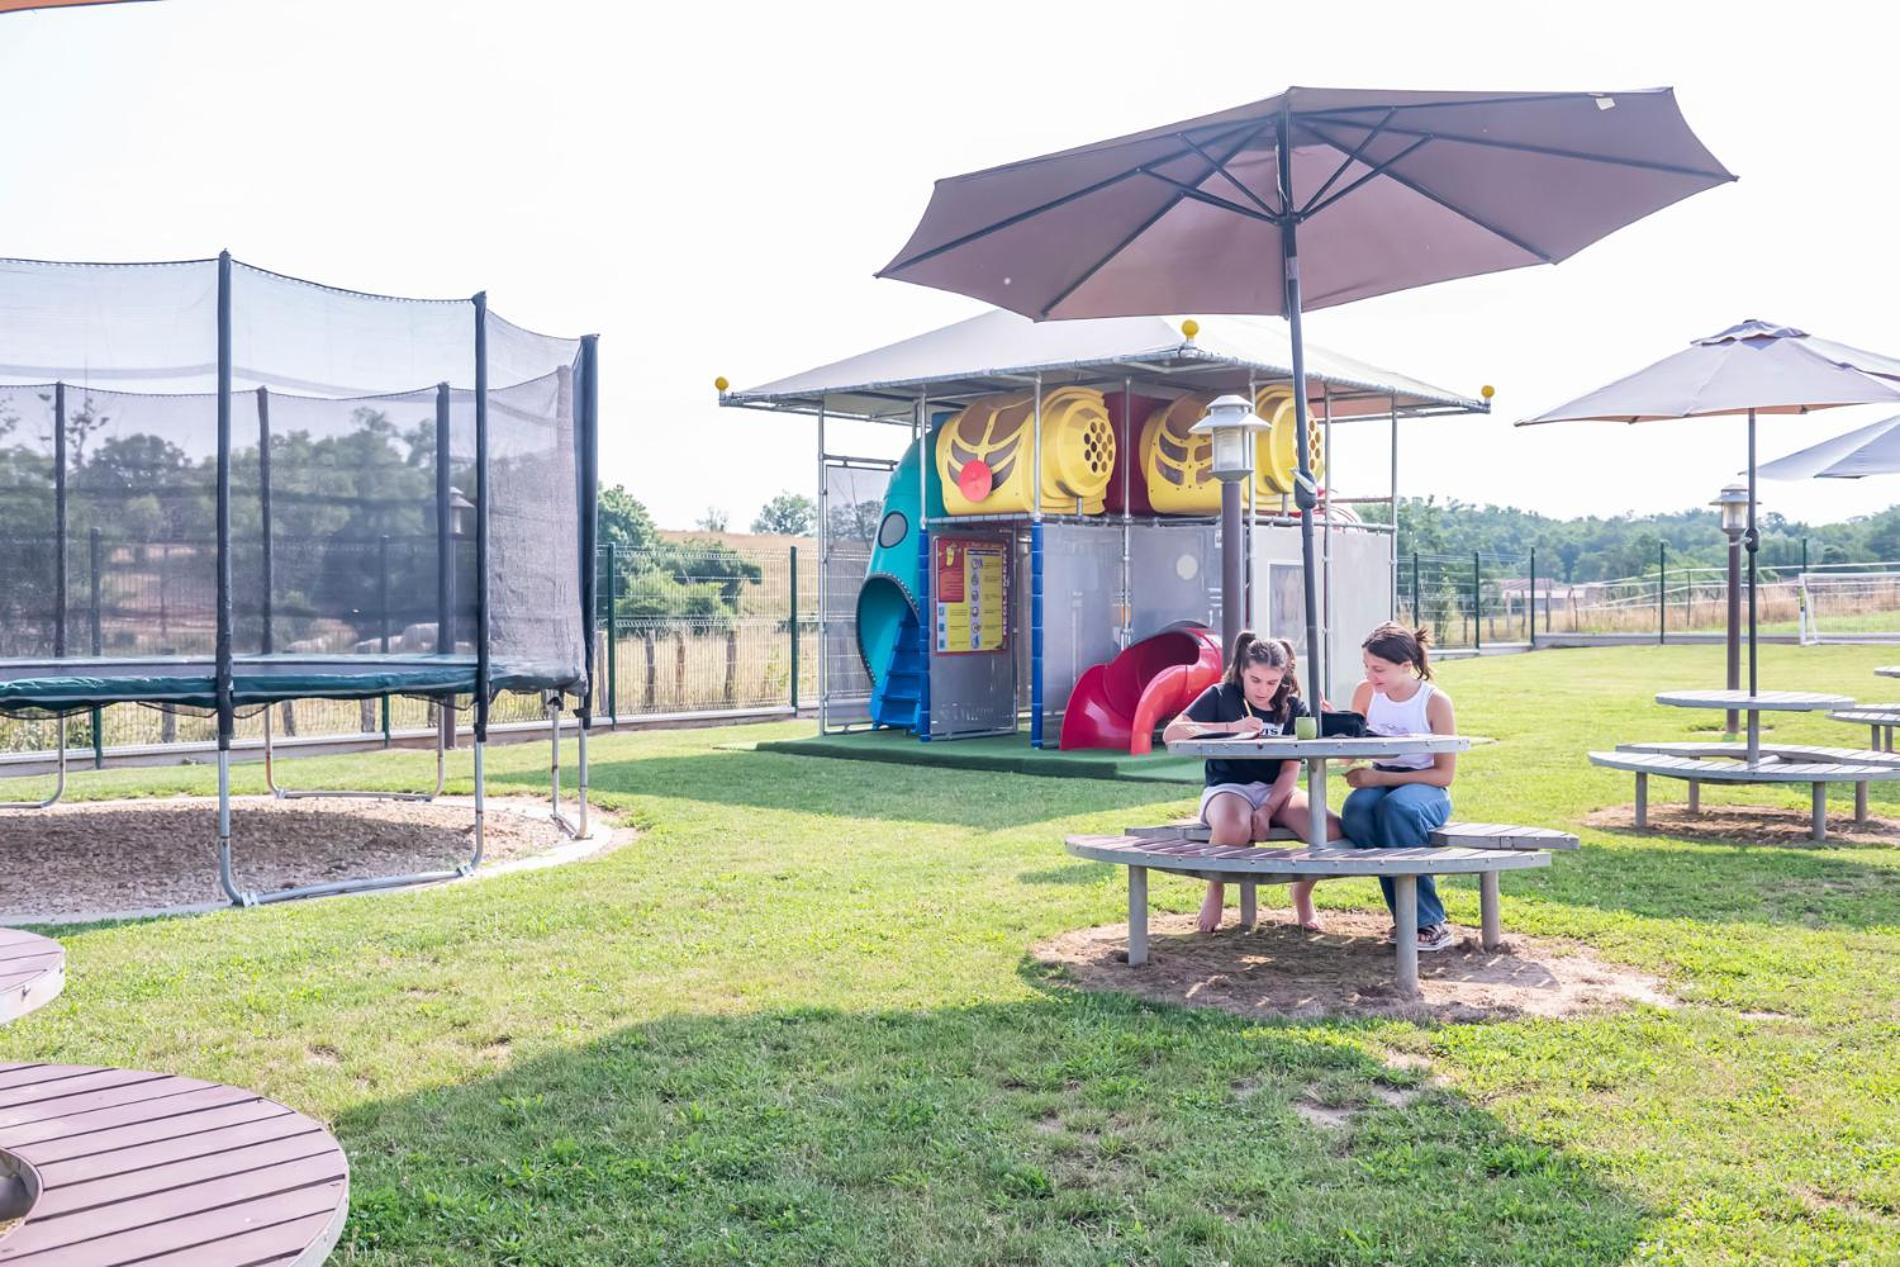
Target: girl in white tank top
(1399,801)
(1387,716)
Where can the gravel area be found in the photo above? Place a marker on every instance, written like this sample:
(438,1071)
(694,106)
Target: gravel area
(151,854)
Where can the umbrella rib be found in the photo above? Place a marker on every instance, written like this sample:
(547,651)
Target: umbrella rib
(1234,180)
(1551,151)
(1380,170)
(1339,171)
(1422,192)
(1149,223)
(1213,200)
(1511,99)
(1250,129)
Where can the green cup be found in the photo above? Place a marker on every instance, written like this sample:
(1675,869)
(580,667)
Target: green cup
(1306,727)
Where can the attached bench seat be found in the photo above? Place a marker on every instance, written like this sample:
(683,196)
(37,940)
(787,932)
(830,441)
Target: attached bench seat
(1252,864)
(32,972)
(1470,835)
(114,1166)
(1880,719)
(1696,770)
(1797,753)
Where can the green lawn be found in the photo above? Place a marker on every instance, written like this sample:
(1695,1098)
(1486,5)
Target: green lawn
(795,1023)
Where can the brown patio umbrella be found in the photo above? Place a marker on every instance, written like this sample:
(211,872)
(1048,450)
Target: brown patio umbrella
(1378,190)
(20,6)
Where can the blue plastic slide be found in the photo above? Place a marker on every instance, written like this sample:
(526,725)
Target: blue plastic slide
(890,634)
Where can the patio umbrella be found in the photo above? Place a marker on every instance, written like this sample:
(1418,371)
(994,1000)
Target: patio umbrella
(1752,368)
(19,6)
(1870,450)
(1378,190)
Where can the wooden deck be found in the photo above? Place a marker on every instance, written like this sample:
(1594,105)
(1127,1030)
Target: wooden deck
(32,972)
(113,1166)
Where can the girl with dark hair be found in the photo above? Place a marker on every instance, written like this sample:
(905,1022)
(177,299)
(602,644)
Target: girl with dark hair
(1244,799)
(1397,803)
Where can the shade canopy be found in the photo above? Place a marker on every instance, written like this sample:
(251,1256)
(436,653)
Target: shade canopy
(20,6)
(998,351)
(1870,450)
(1389,189)
(1754,366)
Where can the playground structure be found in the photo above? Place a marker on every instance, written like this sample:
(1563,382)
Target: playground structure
(1052,511)
(222,488)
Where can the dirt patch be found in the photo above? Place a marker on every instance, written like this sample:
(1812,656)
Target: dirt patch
(1775,825)
(1321,1117)
(1278,970)
(154,854)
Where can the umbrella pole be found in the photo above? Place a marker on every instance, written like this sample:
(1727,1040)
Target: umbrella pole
(1753,543)
(1303,492)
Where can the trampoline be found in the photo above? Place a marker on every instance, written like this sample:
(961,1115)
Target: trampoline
(223,489)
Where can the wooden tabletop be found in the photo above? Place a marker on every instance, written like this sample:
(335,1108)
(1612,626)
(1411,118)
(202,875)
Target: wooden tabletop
(151,1169)
(1292,748)
(1759,702)
(32,972)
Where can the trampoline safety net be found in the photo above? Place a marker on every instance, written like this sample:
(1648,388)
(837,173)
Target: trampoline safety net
(362,503)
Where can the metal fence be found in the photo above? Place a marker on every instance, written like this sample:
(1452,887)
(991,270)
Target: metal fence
(1472,600)
(684,628)
(697,628)
(703,628)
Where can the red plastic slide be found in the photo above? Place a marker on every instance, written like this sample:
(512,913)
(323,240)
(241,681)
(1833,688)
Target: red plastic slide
(1119,704)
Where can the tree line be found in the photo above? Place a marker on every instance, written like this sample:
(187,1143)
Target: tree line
(1607,547)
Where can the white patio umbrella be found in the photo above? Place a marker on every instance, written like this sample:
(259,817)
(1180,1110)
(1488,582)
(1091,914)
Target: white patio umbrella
(1752,368)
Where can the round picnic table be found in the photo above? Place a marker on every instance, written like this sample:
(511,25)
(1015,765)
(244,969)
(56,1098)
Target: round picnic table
(119,1166)
(1755,705)
(32,972)
(1316,753)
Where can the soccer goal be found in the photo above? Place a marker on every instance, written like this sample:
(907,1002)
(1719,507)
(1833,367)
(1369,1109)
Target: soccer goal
(1848,606)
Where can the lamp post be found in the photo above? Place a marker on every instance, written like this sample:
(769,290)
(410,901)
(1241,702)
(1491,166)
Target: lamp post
(1733,503)
(1234,428)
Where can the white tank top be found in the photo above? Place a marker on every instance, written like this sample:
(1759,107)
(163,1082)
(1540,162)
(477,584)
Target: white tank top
(1387,716)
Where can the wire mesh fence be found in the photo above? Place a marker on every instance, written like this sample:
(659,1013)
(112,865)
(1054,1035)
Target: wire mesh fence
(1471,600)
(704,627)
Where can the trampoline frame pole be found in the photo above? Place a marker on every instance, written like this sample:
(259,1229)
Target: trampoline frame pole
(264,511)
(226,704)
(59,785)
(382,616)
(589,459)
(239,897)
(446,557)
(293,794)
(59,521)
(480,302)
(95,563)
(576,827)
(382,556)
(444,529)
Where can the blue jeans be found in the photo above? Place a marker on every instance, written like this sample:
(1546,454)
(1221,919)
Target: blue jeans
(1395,818)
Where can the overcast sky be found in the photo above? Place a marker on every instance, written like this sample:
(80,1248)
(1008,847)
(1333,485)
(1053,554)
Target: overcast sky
(711,186)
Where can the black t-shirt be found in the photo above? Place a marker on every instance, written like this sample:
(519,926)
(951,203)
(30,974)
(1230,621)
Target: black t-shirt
(1224,703)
